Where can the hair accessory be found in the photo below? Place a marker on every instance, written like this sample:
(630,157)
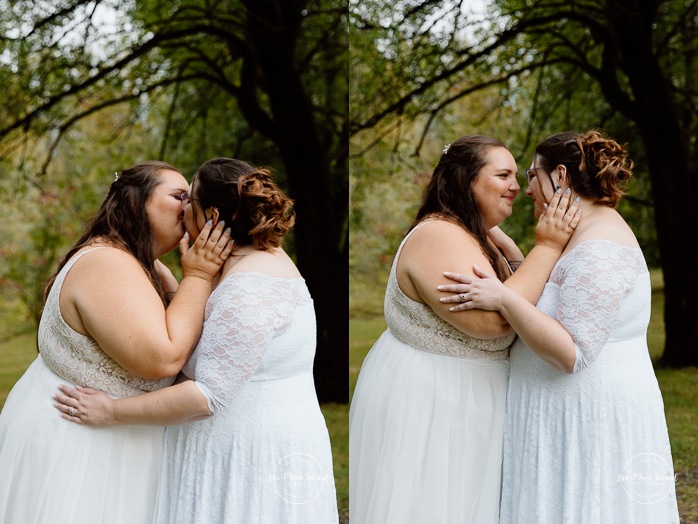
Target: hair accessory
(116,176)
(446,148)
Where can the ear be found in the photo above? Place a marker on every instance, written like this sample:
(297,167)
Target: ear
(215,215)
(563,182)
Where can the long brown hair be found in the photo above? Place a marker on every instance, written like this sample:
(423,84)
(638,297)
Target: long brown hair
(122,220)
(449,193)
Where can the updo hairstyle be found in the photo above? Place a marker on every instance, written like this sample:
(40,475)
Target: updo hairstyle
(257,211)
(123,221)
(449,193)
(597,167)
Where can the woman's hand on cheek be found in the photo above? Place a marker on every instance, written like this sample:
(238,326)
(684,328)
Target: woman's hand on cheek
(559,220)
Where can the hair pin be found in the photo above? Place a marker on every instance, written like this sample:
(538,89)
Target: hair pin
(446,148)
(116,176)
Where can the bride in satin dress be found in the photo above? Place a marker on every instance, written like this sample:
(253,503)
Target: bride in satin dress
(109,322)
(427,416)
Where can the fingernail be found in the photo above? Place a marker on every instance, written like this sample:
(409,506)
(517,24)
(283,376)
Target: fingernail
(439,287)
(228,230)
(452,308)
(442,300)
(576,200)
(568,191)
(222,223)
(545,206)
(559,190)
(210,222)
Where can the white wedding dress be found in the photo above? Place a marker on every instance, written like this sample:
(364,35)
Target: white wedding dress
(264,456)
(53,471)
(426,421)
(591,446)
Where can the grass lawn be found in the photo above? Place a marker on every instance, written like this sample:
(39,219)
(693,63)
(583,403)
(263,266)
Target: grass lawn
(678,388)
(19,351)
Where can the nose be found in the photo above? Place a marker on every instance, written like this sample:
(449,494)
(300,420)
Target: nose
(528,191)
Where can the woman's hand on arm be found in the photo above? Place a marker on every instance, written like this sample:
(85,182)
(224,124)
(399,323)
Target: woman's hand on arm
(543,334)
(444,244)
(177,404)
(554,229)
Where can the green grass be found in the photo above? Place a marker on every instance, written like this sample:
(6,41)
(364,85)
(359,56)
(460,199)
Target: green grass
(17,353)
(677,386)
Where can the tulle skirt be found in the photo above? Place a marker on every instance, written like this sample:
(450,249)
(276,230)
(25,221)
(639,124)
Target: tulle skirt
(54,471)
(425,441)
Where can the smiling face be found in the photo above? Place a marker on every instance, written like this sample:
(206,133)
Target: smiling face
(165,211)
(541,187)
(495,186)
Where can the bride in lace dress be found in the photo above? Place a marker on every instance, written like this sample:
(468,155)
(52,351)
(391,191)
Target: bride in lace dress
(52,471)
(247,442)
(427,416)
(585,437)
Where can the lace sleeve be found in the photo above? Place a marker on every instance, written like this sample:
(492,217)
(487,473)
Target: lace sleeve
(593,284)
(244,316)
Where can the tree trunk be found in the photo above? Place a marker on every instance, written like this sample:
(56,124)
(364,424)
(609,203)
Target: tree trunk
(673,190)
(320,235)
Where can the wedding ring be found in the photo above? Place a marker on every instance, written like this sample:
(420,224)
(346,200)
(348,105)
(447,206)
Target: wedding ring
(462,297)
(71,412)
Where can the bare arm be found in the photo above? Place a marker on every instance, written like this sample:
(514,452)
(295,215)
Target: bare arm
(543,334)
(177,404)
(431,247)
(118,306)
(554,229)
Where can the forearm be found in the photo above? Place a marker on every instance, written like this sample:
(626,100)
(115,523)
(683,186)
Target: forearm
(542,334)
(533,273)
(185,316)
(169,406)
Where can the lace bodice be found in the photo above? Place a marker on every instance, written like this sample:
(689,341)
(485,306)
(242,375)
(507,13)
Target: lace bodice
(599,296)
(257,327)
(79,359)
(419,326)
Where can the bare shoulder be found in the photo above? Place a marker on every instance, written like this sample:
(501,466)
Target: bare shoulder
(439,235)
(99,280)
(433,248)
(606,224)
(107,264)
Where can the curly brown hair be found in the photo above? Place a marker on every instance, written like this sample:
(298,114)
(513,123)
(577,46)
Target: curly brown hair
(598,167)
(257,211)
(122,219)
